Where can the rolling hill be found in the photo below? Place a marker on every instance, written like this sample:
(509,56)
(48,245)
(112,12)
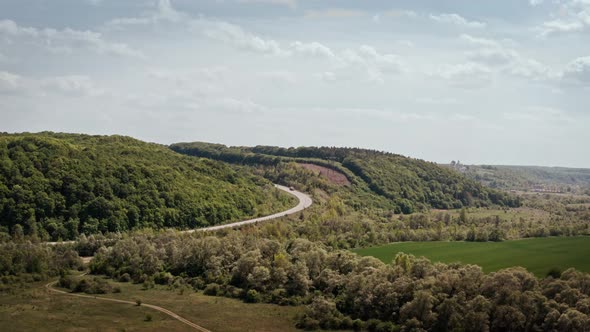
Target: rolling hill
(401,183)
(60,185)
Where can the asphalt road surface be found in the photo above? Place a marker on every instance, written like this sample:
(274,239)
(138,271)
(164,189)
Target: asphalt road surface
(304,202)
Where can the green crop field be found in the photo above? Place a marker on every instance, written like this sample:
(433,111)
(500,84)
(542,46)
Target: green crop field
(537,255)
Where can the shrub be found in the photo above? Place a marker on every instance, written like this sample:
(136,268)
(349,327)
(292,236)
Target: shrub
(212,289)
(357,325)
(163,278)
(67,282)
(252,296)
(371,325)
(125,277)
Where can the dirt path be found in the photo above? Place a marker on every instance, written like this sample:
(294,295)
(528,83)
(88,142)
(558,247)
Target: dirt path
(49,286)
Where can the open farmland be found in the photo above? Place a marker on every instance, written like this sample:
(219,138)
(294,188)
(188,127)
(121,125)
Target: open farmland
(537,255)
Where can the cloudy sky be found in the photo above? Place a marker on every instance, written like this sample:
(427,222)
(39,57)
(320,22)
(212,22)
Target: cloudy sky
(490,82)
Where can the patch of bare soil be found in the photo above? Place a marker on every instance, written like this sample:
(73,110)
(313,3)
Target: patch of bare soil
(330,174)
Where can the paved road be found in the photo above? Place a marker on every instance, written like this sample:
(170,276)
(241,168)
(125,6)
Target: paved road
(304,202)
(151,306)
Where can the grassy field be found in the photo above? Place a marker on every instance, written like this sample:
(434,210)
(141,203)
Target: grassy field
(538,255)
(34,308)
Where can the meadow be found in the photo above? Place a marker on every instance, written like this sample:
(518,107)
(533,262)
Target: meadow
(34,308)
(538,255)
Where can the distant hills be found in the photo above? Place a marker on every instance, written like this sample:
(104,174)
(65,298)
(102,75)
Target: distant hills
(528,178)
(60,185)
(387,180)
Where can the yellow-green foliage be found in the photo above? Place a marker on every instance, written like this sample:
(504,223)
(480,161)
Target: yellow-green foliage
(59,185)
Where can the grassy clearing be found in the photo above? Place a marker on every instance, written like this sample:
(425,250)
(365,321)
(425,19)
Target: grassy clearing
(34,308)
(537,255)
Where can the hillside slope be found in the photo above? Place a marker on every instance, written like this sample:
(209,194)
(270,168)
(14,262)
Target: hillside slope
(59,185)
(407,184)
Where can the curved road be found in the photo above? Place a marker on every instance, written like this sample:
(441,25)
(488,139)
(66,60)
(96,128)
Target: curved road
(155,307)
(304,202)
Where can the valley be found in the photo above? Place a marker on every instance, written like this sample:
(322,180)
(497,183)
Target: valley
(363,240)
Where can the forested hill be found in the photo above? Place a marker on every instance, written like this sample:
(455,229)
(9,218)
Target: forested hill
(410,184)
(59,185)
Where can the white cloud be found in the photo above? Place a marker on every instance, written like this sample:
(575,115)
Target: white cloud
(466,75)
(561,26)
(573,16)
(578,71)
(334,13)
(535,3)
(313,49)
(399,13)
(73,85)
(375,65)
(366,57)
(495,54)
(67,40)
(236,36)
(204,81)
(327,76)
(163,11)
(10,83)
(457,19)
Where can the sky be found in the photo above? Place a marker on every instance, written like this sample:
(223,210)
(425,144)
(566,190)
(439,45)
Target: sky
(483,82)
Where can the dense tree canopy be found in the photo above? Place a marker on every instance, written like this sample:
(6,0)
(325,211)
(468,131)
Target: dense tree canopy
(408,184)
(60,185)
(343,290)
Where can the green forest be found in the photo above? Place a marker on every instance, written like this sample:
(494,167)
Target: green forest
(409,185)
(56,186)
